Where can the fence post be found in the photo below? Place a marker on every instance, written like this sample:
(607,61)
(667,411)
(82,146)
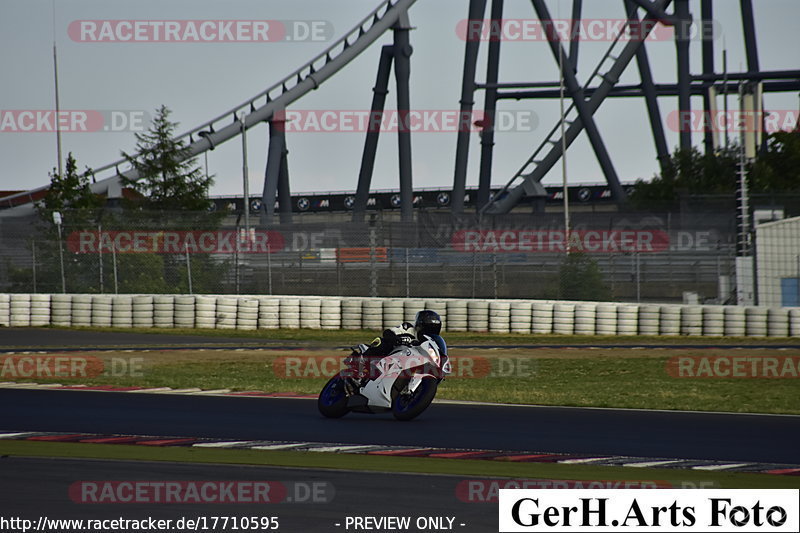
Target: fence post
(114,266)
(33,257)
(408,286)
(188,268)
(100,256)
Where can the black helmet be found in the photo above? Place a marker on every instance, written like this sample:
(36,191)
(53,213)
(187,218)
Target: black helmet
(427,322)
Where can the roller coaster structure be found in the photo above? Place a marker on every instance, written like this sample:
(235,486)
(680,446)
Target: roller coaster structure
(270,104)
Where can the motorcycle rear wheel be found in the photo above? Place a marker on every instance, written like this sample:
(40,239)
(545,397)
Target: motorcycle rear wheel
(332,401)
(408,405)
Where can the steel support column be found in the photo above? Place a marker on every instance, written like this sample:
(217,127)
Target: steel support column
(490,106)
(707,35)
(380,91)
(749,27)
(275,153)
(682,41)
(284,192)
(512,196)
(477,9)
(402,72)
(584,113)
(649,90)
(575,34)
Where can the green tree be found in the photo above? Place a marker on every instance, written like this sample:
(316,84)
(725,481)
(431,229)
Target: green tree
(579,278)
(688,171)
(69,194)
(778,168)
(169,180)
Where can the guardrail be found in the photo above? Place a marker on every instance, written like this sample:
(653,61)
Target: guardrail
(251,312)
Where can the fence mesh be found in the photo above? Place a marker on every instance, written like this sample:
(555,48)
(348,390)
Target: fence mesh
(613,256)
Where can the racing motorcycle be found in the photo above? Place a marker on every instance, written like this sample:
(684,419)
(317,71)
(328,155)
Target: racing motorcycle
(403,382)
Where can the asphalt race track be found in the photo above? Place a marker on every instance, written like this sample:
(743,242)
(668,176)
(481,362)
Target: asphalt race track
(314,501)
(679,435)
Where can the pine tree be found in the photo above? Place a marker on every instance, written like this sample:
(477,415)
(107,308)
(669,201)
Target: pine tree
(168,179)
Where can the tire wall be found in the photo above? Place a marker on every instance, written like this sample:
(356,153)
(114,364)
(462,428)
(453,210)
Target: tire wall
(251,312)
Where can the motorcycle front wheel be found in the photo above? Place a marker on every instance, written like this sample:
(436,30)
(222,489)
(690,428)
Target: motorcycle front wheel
(332,401)
(407,405)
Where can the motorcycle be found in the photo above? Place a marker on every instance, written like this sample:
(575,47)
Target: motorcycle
(403,382)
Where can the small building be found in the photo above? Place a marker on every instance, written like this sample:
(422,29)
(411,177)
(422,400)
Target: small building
(778,263)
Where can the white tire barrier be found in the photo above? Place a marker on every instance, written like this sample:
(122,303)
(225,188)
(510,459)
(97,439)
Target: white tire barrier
(310,313)
(184,312)
(226,310)
(393,313)
(331,313)
(323,312)
(564,319)
(164,311)
(440,306)
(692,320)
(269,313)
(542,318)
(60,309)
(351,313)
(713,321)
(247,314)
(20,310)
(670,320)
(606,319)
(628,320)
(290,313)
(122,311)
(499,317)
(102,307)
(372,314)
(649,319)
(794,322)
(81,310)
(520,318)
(585,319)
(457,315)
(478,311)
(5,309)
(142,311)
(735,321)
(411,307)
(755,321)
(778,322)
(40,310)
(205,312)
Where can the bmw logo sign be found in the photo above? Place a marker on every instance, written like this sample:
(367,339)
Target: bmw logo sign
(255,205)
(443,198)
(395,200)
(349,202)
(303,204)
(584,194)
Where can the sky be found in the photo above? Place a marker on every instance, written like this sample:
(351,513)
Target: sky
(127,81)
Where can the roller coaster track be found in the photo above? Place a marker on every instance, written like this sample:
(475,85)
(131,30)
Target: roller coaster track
(257,109)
